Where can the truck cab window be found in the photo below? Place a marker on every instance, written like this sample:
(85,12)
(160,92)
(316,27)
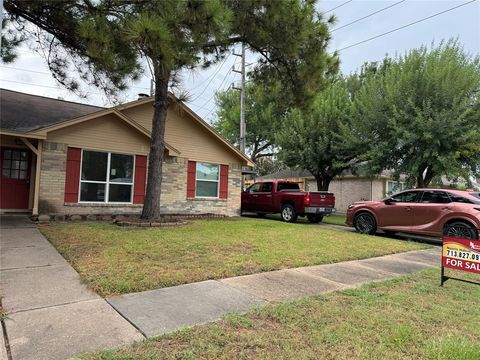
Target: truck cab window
(267,187)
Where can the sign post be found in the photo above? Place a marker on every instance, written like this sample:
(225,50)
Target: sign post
(460,254)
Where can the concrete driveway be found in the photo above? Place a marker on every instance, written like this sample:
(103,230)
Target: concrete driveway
(50,314)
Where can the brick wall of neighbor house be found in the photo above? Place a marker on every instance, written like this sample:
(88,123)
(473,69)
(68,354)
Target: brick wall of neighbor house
(349,190)
(52,185)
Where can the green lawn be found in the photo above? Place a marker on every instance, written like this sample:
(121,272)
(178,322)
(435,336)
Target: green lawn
(116,260)
(335,220)
(407,318)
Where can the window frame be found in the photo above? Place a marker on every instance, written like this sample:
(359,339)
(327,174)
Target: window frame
(207,180)
(107,179)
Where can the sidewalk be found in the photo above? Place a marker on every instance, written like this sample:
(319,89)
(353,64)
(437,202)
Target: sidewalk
(51,315)
(157,312)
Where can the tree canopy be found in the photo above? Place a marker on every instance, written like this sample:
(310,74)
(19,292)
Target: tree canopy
(324,140)
(263,114)
(422,114)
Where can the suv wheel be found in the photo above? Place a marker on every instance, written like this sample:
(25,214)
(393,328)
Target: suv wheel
(365,223)
(460,229)
(314,219)
(288,213)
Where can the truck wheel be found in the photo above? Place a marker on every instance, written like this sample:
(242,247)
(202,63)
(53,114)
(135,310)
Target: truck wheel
(314,219)
(288,213)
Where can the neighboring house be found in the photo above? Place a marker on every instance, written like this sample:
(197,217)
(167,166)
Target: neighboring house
(60,157)
(347,188)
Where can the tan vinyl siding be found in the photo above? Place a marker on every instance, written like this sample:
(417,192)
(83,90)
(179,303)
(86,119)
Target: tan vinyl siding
(108,133)
(186,135)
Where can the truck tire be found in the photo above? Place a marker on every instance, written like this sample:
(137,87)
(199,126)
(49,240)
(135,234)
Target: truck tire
(314,219)
(288,213)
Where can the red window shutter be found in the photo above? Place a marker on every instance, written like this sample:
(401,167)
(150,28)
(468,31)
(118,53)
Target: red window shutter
(140,179)
(72,176)
(223,193)
(191,170)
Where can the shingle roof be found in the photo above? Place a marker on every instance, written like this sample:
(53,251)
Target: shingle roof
(25,112)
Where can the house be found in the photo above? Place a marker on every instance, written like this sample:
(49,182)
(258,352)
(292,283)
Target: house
(347,188)
(61,157)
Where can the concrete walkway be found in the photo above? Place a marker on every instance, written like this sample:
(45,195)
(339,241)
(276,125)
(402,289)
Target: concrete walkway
(157,312)
(51,315)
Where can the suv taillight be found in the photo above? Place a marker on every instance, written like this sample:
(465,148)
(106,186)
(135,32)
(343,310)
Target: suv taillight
(306,200)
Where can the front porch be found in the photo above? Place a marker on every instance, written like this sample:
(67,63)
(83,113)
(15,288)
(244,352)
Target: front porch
(20,160)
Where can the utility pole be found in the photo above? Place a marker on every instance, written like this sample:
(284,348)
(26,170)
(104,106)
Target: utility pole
(242,98)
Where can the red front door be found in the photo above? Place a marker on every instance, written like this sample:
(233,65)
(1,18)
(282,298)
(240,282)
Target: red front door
(15,180)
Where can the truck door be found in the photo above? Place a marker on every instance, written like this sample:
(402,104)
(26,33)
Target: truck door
(249,197)
(264,199)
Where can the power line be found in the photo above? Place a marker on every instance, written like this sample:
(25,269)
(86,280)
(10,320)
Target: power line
(25,83)
(221,84)
(212,77)
(367,16)
(405,26)
(213,74)
(336,7)
(46,73)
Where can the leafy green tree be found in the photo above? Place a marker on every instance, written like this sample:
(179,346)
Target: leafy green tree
(107,40)
(324,140)
(422,114)
(262,114)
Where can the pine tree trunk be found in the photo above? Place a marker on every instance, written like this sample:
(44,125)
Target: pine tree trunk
(151,207)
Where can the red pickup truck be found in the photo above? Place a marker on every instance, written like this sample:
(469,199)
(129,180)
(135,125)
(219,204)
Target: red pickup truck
(287,199)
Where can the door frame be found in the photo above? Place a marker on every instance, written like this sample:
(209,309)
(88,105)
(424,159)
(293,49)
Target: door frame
(29,172)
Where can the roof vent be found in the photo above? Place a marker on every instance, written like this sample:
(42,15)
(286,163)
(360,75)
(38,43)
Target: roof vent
(142,96)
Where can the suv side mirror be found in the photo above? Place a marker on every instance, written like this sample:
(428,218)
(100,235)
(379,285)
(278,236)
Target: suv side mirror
(388,201)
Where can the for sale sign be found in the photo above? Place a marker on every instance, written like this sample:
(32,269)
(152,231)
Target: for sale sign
(461,254)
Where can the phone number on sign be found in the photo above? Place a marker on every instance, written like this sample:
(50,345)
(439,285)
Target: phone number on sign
(463,255)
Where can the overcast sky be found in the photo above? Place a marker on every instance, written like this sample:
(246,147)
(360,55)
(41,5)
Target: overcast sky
(463,23)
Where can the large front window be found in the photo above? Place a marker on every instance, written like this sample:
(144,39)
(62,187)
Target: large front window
(106,177)
(207,178)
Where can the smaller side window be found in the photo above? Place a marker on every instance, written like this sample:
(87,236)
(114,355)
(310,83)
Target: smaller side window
(460,199)
(267,187)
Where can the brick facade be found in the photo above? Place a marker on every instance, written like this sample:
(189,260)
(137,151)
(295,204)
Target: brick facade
(173,199)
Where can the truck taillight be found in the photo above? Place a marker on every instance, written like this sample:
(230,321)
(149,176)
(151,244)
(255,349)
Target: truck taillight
(306,200)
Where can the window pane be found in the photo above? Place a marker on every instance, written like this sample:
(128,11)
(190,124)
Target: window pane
(14,174)
(7,164)
(6,173)
(207,188)
(120,193)
(207,171)
(15,164)
(22,175)
(94,166)
(121,168)
(408,196)
(92,192)
(435,197)
(23,155)
(7,154)
(15,155)
(23,165)
(255,187)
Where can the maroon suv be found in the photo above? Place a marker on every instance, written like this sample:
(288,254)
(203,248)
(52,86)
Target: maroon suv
(432,212)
